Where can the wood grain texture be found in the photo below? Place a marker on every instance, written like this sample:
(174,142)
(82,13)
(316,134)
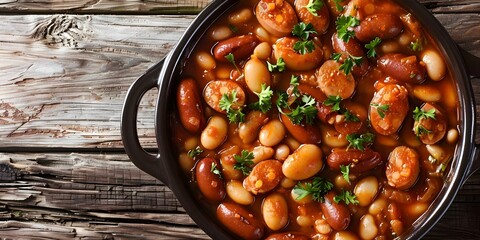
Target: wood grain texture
(65,86)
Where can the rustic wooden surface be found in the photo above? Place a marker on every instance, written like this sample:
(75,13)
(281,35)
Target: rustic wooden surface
(65,67)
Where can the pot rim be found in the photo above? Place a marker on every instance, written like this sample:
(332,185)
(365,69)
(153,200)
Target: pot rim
(460,165)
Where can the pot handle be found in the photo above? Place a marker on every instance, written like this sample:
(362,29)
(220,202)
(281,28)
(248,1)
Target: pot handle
(473,67)
(149,163)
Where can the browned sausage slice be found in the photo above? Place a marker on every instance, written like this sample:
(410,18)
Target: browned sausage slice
(333,81)
(431,130)
(403,168)
(388,109)
(320,22)
(190,106)
(276,16)
(384,26)
(283,48)
(214,91)
(264,177)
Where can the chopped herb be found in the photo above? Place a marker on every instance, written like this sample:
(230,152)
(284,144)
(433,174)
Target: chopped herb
(350,62)
(317,188)
(215,170)
(360,141)
(195,152)
(381,109)
(420,130)
(338,6)
(294,83)
(233,28)
(244,162)
(313,6)
(333,101)
(282,100)
(371,47)
(280,66)
(303,31)
(345,25)
(413,75)
(349,116)
(336,56)
(231,58)
(345,170)
(346,196)
(443,167)
(264,103)
(416,46)
(226,102)
(419,114)
(306,111)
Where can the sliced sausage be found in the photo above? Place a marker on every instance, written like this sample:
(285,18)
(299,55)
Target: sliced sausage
(352,121)
(277,17)
(360,161)
(283,48)
(403,168)
(353,48)
(214,91)
(384,26)
(210,184)
(436,128)
(402,67)
(320,21)
(302,133)
(240,46)
(336,214)
(388,109)
(333,81)
(190,106)
(265,176)
(240,221)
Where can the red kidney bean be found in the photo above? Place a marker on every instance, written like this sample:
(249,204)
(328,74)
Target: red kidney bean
(214,91)
(333,81)
(346,126)
(288,236)
(210,184)
(437,127)
(361,161)
(336,214)
(283,48)
(265,176)
(403,168)
(303,133)
(384,26)
(320,22)
(277,17)
(240,221)
(240,46)
(190,106)
(353,48)
(388,109)
(402,67)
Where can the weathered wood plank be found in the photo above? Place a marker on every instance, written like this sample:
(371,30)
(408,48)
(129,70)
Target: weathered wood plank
(66,88)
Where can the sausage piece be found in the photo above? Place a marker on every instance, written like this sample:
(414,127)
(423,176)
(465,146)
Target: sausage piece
(209,183)
(240,46)
(388,109)
(336,214)
(403,168)
(240,221)
(283,48)
(303,133)
(353,48)
(265,176)
(433,129)
(384,26)
(360,161)
(320,22)
(214,91)
(333,81)
(402,67)
(190,106)
(276,16)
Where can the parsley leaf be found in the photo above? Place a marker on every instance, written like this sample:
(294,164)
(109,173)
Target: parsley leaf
(231,58)
(419,114)
(244,162)
(304,47)
(381,109)
(338,6)
(346,196)
(233,28)
(416,46)
(280,66)
(303,31)
(282,100)
(226,102)
(345,170)
(371,47)
(336,56)
(345,25)
(420,130)
(317,188)
(313,6)
(333,101)
(308,111)
(264,103)
(360,141)
(195,152)
(350,62)
(349,116)
(215,170)
(294,83)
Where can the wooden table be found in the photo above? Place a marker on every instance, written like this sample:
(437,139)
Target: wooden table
(65,67)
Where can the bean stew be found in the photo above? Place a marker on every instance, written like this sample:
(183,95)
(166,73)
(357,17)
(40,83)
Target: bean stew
(316,119)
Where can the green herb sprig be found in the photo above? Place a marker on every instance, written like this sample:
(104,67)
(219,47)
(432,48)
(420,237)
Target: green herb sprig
(317,188)
(346,196)
(226,104)
(360,141)
(244,162)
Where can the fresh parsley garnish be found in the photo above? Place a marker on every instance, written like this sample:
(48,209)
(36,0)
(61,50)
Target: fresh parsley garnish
(345,170)
(346,196)
(338,6)
(419,114)
(195,152)
(420,130)
(350,62)
(226,102)
(313,6)
(282,101)
(307,110)
(264,103)
(333,101)
(294,83)
(303,31)
(416,46)
(371,47)
(233,28)
(280,66)
(317,188)
(381,109)
(231,58)
(349,116)
(215,170)
(345,25)
(244,162)
(360,141)
(336,56)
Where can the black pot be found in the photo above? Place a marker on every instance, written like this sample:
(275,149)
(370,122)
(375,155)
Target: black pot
(165,75)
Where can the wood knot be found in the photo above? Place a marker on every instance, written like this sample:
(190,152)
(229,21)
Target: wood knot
(64,30)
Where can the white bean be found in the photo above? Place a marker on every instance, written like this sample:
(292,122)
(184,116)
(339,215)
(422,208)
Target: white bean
(287,183)
(261,153)
(191,143)
(238,193)
(427,93)
(377,206)
(214,133)
(452,136)
(367,229)
(305,162)
(437,152)
(416,209)
(340,182)
(240,16)
(186,162)
(263,51)
(332,138)
(223,72)
(344,235)
(282,152)
(256,74)
(322,226)
(272,133)
(405,39)
(221,33)
(262,34)
(292,143)
(275,211)
(205,61)
(389,47)
(304,221)
(436,68)
(304,200)
(366,190)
